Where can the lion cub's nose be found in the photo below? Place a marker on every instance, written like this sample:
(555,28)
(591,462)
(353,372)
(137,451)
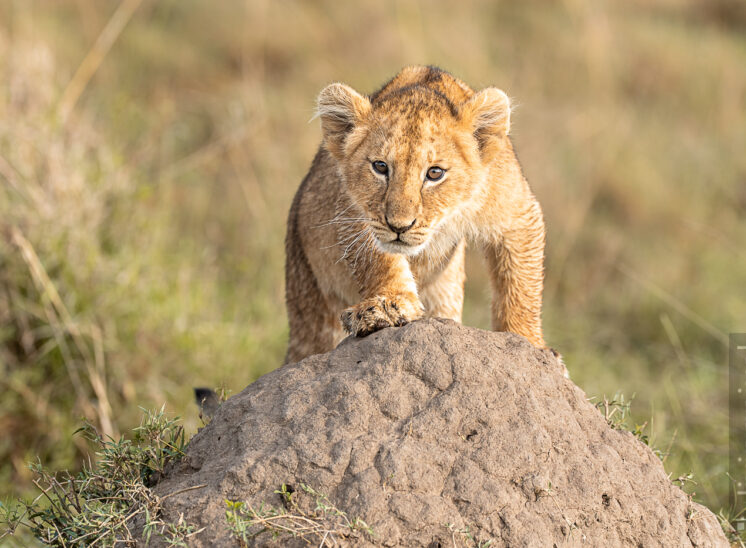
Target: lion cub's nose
(400,228)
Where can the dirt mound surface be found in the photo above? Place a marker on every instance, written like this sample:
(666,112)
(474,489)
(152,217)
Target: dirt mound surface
(434,434)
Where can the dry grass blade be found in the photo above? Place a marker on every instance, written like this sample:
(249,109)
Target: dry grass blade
(62,321)
(95,56)
(325,524)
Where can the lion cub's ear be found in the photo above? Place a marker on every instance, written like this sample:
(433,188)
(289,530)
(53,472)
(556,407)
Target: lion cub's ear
(488,113)
(340,108)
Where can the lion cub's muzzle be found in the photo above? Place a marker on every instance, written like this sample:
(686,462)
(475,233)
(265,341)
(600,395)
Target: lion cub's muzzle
(399,227)
(401,237)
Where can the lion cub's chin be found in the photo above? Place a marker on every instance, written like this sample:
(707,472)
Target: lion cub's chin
(397,246)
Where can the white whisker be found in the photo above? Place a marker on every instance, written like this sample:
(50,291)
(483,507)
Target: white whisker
(359,235)
(341,221)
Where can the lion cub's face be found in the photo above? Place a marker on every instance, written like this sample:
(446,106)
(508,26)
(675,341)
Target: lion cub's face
(410,161)
(411,171)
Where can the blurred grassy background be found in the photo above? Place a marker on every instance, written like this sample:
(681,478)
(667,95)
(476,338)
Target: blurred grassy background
(142,225)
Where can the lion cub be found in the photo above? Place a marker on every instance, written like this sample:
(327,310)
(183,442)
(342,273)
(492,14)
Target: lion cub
(403,178)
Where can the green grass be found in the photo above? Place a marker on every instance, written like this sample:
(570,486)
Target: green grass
(141,239)
(102,505)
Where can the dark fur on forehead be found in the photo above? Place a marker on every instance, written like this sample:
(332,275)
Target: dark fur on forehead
(409,93)
(433,75)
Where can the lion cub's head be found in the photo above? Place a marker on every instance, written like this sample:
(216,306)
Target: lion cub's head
(413,155)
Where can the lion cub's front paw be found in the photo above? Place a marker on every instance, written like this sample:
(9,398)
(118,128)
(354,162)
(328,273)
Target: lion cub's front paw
(378,312)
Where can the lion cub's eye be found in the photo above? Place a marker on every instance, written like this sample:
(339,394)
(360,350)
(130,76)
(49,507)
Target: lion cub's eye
(381,167)
(435,173)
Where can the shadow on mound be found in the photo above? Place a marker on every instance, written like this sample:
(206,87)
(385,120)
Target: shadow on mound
(434,434)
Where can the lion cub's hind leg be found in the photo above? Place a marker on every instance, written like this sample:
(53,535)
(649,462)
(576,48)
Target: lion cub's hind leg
(314,327)
(314,322)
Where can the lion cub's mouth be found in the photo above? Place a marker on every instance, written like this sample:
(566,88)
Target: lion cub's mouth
(398,245)
(406,243)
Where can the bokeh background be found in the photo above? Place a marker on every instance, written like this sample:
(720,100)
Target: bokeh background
(149,152)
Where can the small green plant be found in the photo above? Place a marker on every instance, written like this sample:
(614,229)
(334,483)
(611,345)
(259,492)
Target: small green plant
(733,517)
(684,479)
(173,534)
(616,411)
(99,505)
(462,536)
(324,524)
(729,520)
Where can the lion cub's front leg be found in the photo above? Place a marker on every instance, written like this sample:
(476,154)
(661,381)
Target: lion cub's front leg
(388,290)
(381,311)
(516,261)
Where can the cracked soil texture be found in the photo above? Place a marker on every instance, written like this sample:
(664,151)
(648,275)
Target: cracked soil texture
(430,424)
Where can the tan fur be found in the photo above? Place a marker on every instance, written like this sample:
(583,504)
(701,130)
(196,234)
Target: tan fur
(344,271)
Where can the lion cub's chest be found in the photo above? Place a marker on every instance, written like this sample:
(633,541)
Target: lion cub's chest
(429,268)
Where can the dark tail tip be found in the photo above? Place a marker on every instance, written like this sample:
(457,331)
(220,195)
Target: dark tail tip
(207,400)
